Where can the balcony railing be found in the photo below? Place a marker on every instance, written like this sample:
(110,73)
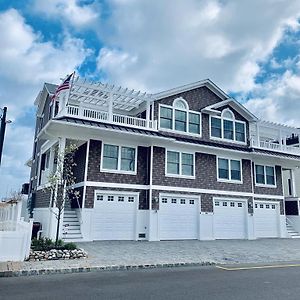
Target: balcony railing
(103,116)
(275,147)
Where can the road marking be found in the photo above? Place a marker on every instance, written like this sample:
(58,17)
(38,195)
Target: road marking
(258,267)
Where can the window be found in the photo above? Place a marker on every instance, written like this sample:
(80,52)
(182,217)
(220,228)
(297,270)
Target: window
(229,169)
(182,201)
(267,205)
(224,203)
(119,158)
(192,201)
(164,200)
(166,117)
(174,201)
(180,163)
(240,204)
(121,199)
(261,205)
(179,118)
(110,198)
(232,204)
(217,203)
(265,175)
(273,206)
(100,197)
(130,199)
(226,127)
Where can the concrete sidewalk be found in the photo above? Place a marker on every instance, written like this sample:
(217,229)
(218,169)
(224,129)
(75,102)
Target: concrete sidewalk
(114,255)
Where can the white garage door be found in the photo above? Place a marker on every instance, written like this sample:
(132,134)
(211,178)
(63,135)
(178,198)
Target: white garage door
(178,218)
(229,219)
(114,217)
(266,218)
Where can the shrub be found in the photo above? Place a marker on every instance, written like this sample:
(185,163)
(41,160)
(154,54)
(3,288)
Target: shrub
(45,244)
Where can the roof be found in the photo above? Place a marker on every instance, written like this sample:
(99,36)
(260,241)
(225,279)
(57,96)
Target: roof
(176,138)
(50,87)
(235,105)
(109,126)
(187,87)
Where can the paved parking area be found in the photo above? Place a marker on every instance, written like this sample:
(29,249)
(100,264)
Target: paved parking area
(129,253)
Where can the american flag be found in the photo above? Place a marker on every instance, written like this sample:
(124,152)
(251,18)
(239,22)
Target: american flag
(64,86)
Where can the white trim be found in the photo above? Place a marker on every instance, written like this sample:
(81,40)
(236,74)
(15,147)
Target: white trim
(187,111)
(118,170)
(175,188)
(150,181)
(267,202)
(187,87)
(265,176)
(229,180)
(116,185)
(180,175)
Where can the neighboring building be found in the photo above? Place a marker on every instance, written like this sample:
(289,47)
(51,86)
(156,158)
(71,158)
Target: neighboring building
(186,163)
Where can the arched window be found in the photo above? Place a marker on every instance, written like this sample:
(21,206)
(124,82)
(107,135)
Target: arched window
(180,103)
(226,127)
(178,117)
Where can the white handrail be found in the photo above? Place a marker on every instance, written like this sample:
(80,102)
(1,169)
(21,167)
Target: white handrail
(97,115)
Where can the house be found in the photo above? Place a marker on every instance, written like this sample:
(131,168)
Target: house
(186,163)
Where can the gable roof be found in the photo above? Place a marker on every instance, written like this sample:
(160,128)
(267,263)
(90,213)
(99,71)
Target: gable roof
(212,109)
(206,82)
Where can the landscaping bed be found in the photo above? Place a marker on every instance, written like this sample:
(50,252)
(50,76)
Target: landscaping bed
(46,249)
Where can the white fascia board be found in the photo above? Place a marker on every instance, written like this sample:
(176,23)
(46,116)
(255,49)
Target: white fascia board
(236,105)
(206,82)
(174,189)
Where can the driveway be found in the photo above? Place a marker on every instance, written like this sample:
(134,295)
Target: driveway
(130,253)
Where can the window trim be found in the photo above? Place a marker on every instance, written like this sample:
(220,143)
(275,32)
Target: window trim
(222,128)
(265,176)
(229,169)
(118,170)
(180,164)
(187,118)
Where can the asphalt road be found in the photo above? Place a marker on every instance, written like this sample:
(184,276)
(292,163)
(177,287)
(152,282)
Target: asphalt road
(175,283)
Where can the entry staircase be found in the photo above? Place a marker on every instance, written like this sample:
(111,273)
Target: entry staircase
(292,233)
(71,231)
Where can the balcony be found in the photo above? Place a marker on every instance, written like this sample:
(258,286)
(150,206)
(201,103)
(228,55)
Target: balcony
(105,117)
(275,147)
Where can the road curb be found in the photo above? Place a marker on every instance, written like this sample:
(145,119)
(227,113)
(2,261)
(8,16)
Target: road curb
(70,270)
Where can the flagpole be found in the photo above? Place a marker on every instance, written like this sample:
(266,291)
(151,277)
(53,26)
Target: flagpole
(71,85)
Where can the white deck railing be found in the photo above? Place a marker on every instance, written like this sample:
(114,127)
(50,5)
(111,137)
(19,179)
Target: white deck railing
(275,147)
(103,116)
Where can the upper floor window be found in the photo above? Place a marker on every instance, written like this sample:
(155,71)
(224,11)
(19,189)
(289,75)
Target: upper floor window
(118,158)
(226,127)
(265,175)
(180,163)
(229,169)
(179,118)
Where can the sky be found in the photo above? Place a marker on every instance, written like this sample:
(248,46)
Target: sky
(250,49)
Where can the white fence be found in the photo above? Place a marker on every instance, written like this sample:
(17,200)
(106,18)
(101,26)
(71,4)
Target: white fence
(15,234)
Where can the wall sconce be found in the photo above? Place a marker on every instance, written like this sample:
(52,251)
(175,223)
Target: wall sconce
(156,202)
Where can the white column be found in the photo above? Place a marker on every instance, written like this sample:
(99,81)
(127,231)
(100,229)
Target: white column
(147,114)
(293,183)
(110,108)
(280,139)
(257,135)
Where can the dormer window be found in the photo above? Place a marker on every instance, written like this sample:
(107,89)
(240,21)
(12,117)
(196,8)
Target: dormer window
(227,128)
(179,117)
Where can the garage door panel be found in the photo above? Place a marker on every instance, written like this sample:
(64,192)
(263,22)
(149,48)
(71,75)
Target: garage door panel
(229,219)
(266,218)
(114,217)
(178,218)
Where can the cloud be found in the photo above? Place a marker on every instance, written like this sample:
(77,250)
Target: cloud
(68,11)
(278,99)
(26,63)
(162,44)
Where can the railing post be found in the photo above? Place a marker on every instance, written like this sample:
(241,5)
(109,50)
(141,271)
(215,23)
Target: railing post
(147,114)
(110,108)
